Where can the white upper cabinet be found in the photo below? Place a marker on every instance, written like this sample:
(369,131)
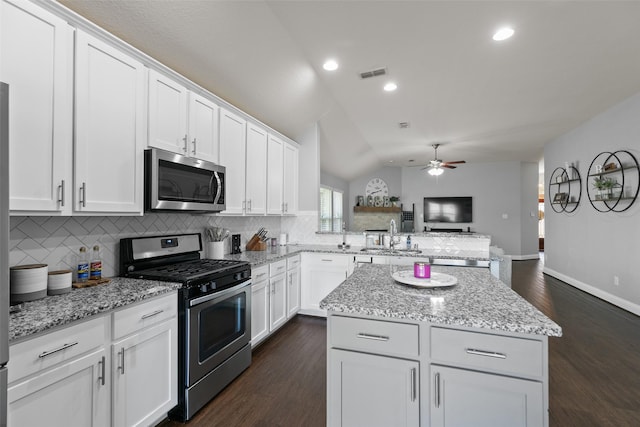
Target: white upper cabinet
(36,60)
(275,151)
(110,128)
(167,114)
(256,194)
(203,128)
(290,185)
(233,133)
(181,121)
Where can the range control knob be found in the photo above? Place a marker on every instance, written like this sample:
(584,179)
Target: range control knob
(203,288)
(237,276)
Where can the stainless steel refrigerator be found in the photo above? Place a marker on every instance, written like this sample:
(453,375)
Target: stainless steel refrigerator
(4,248)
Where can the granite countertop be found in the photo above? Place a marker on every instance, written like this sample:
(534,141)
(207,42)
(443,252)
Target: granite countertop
(479,300)
(465,234)
(41,315)
(271,254)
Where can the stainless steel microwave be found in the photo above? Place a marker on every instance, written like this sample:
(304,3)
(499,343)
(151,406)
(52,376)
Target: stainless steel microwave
(178,183)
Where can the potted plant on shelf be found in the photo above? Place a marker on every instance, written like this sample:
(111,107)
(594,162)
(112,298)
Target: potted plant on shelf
(394,200)
(605,187)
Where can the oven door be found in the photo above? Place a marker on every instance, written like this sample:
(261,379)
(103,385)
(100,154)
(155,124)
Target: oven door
(175,182)
(217,326)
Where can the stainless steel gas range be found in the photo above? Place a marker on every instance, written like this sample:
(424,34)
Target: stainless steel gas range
(214,317)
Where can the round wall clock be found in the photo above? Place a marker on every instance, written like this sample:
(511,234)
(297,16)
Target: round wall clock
(376,187)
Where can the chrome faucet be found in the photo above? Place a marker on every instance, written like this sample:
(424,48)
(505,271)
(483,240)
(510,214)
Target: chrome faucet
(393,230)
(344,244)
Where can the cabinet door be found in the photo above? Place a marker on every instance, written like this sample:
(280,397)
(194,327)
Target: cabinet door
(232,157)
(110,129)
(75,393)
(203,128)
(293,292)
(278,301)
(167,114)
(145,375)
(465,398)
(290,185)
(275,201)
(37,63)
(259,311)
(369,390)
(321,273)
(256,170)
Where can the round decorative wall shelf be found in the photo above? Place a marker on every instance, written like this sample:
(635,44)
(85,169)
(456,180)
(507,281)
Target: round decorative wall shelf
(565,189)
(612,181)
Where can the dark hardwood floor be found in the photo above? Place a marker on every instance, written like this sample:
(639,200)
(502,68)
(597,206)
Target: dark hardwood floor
(594,367)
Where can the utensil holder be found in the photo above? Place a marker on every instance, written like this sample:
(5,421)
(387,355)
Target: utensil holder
(256,244)
(215,250)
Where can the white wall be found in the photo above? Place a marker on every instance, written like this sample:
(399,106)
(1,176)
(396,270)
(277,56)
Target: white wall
(588,248)
(309,170)
(506,188)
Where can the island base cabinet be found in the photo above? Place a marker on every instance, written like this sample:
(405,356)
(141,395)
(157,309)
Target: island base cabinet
(145,375)
(369,390)
(73,394)
(463,398)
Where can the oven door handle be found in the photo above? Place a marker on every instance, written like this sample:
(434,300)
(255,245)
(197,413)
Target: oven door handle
(215,295)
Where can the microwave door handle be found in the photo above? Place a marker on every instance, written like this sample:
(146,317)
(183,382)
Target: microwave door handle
(219,187)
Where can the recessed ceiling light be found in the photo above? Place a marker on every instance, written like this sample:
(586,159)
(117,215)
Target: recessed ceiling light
(330,65)
(390,87)
(503,34)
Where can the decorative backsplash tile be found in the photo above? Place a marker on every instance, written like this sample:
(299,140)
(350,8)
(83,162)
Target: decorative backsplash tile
(55,241)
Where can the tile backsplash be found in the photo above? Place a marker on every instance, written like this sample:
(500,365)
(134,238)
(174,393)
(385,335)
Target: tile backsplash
(55,241)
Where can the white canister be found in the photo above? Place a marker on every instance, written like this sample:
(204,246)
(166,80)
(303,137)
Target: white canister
(28,282)
(283,239)
(59,282)
(215,250)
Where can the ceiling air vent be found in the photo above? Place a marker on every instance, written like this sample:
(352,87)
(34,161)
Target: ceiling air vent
(404,125)
(373,73)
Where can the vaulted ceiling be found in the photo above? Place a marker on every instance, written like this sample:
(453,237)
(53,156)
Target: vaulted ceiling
(484,100)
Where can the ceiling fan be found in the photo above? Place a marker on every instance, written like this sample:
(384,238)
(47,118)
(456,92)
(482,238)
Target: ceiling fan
(436,166)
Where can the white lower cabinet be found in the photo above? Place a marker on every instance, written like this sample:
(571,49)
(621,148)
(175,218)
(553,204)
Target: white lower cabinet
(293,285)
(259,304)
(75,393)
(371,390)
(144,368)
(278,297)
(68,377)
(321,273)
(469,398)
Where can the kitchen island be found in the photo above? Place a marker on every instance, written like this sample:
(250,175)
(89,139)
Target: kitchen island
(473,354)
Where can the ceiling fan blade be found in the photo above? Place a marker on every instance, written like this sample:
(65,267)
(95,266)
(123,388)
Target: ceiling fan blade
(454,163)
(448,166)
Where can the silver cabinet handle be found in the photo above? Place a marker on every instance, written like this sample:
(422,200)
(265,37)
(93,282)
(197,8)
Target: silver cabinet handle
(249,204)
(61,193)
(486,353)
(50,352)
(372,337)
(101,377)
(260,275)
(413,384)
(437,390)
(121,366)
(184,148)
(326,260)
(244,205)
(155,313)
(83,192)
(286,207)
(194,146)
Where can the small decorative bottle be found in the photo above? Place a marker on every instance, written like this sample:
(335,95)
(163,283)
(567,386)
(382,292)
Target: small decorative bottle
(83,266)
(96,264)
(408,242)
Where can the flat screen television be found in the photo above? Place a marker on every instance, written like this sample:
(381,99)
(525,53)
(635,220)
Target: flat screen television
(448,209)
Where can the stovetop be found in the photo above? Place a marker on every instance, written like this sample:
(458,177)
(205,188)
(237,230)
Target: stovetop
(190,270)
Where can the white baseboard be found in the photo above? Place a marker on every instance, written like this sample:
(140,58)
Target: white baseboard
(613,299)
(525,257)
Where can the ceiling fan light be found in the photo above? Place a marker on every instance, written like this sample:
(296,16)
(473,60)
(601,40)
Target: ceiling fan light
(330,65)
(435,171)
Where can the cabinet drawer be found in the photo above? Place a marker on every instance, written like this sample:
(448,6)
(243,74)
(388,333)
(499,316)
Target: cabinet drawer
(260,274)
(293,262)
(29,357)
(374,336)
(501,354)
(277,267)
(132,319)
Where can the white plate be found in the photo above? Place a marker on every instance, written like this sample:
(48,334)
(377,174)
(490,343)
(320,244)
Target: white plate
(437,280)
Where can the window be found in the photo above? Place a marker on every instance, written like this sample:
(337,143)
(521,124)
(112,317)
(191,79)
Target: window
(330,209)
